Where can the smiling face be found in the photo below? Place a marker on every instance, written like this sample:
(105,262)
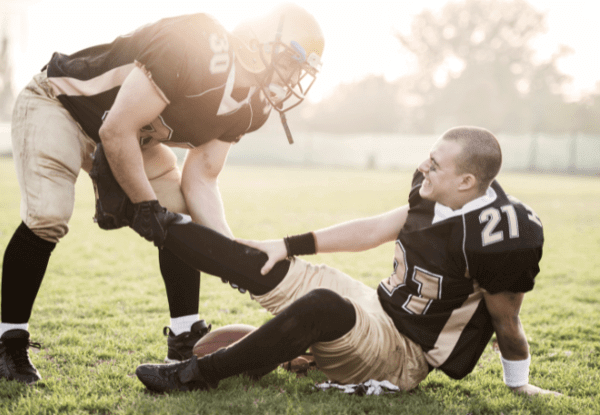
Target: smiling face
(442,182)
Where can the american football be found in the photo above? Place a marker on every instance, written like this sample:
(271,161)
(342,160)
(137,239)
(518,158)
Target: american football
(221,337)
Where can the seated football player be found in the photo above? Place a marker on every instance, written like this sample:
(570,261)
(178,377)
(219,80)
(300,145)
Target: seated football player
(465,254)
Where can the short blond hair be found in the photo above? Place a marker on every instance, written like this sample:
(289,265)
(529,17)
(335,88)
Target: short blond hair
(480,154)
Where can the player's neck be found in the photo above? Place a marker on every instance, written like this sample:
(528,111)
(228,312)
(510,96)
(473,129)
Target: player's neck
(462,198)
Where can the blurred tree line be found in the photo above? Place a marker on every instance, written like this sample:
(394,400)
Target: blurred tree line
(476,66)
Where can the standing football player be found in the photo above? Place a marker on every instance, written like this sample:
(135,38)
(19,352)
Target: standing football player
(180,82)
(465,254)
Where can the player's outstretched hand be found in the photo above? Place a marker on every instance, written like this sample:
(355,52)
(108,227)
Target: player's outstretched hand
(274,248)
(534,390)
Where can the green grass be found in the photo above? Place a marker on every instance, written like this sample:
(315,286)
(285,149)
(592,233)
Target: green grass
(102,305)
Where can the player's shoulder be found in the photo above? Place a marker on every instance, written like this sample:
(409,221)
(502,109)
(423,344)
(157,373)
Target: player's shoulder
(206,22)
(506,224)
(192,28)
(523,211)
(201,49)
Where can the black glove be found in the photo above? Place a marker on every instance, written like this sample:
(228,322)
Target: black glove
(151,220)
(113,208)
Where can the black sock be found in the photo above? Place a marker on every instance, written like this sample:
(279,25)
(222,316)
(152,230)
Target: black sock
(321,315)
(25,262)
(209,251)
(182,283)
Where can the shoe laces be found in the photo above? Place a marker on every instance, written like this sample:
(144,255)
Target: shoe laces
(20,355)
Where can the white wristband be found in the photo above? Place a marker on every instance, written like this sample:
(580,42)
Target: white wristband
(516,372)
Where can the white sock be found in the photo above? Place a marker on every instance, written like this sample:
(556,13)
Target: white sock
(4,327)
(182,324)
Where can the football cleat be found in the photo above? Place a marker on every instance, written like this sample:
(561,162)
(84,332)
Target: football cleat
(181,346)
(14,357)
(182,376)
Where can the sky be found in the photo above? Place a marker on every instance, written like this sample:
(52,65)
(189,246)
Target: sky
(359,35)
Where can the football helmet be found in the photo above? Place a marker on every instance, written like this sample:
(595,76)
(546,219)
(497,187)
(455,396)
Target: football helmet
(283,49)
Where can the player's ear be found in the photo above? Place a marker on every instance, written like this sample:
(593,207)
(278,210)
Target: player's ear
(467,182)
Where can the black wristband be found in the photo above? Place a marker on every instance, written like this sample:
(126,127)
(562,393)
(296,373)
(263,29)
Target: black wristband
(300,244)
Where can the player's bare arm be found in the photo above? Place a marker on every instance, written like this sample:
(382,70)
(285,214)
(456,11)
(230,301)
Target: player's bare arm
(504,308)
(137,104)
(200,186)
(361,234)
(352,236)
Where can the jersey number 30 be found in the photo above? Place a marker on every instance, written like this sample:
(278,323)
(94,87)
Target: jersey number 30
(220,47)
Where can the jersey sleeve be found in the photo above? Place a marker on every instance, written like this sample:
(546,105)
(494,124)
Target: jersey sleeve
(512,271)
(413,197)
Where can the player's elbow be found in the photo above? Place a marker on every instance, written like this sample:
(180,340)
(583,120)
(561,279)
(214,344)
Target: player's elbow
(108,132)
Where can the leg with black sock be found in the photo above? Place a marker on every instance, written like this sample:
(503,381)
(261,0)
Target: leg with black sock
(211,252)
(182,283)
(319,316)
(25,262)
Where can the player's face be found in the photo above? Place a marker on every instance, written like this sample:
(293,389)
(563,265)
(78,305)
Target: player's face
(289,70)
(441,180)
(286,76)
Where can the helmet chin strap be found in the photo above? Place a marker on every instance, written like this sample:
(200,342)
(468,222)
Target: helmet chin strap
(286,128)
(282,116)
(264,86)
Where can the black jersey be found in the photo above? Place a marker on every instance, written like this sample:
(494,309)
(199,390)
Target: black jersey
(190,61)
(443,259)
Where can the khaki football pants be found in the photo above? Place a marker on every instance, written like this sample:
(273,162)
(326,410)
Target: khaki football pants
(373,349)
(49,150)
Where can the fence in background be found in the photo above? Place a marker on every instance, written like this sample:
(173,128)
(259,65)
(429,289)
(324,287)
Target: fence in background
(577,154)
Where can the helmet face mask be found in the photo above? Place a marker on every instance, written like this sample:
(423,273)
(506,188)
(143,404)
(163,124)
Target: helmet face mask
(283,50)
(289,75)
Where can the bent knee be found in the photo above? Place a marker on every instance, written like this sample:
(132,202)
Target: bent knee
(48,218)
(49,228)
(167,188)
(158,161)
(324,300)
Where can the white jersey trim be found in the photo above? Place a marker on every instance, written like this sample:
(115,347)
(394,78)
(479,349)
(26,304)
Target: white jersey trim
(76,87)
(448,337)
(442,212)
(228,103)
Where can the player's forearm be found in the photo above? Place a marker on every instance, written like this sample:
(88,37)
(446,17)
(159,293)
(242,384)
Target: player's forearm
(511,339)
(125,159)
(353,236)
(362,234)
(205,205)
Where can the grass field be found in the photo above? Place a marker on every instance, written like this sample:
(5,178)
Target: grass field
(102,305)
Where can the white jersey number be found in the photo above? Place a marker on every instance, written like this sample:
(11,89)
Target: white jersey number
(492,217)
(220,47)
(429,285)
